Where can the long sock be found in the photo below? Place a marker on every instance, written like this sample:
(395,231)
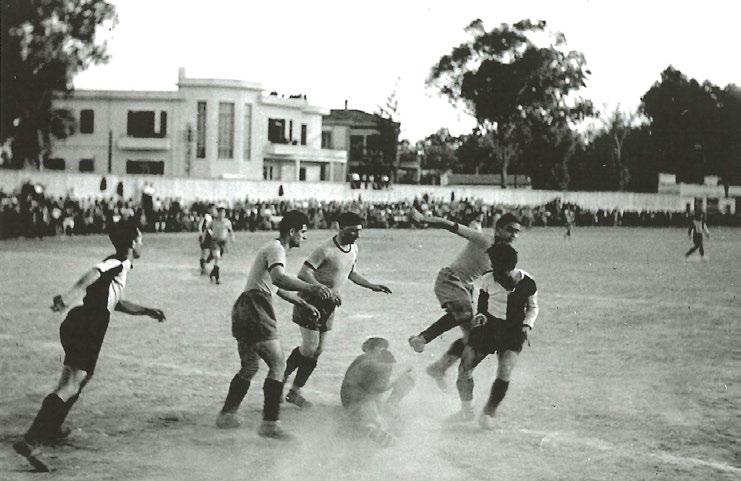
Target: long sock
(304,370)
(498,390)
(444,324)
(273,391)
(292,363)
(67,406)
(47,419)
(237,391)
(465,389)
(203,263)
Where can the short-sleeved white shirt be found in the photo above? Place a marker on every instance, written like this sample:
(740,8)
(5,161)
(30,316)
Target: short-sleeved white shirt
(271,254)
(333,263)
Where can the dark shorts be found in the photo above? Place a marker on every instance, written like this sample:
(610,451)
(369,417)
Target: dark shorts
(217,245)
(253,318)
(496,335)
(303,318)
(81,334)
(697,239)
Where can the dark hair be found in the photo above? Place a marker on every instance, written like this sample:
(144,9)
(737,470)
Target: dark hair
(122,234)
(503,257)
(508,218)
(349,218)
(293,219)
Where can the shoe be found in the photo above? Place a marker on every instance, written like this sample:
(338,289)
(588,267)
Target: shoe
(297,399)
(438,375)
(273,430)
(228,421)
(486,421)
(214,275)
(417,343)
(32,453)
(462,416)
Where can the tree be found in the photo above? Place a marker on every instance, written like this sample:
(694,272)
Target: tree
(384,154)
(512,85)
(439,151)
(44,44)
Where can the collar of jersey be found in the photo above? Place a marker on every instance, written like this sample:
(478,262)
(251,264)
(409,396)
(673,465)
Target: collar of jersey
(349,247)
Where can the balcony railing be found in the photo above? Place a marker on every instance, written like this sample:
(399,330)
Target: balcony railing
(139,143)
(302,152)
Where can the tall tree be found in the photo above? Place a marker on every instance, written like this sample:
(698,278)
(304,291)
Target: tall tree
(439,151)
(513,84)
(386,152)
(44,44)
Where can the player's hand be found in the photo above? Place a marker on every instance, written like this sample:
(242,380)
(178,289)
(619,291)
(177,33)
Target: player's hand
(58,304)
(313,310)
(324,293)
(526,334)
(336,300)
(156,314)
(380,288)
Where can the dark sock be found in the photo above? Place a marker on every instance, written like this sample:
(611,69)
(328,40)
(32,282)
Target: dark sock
(292,363)
(67,406)
(47,420)
(498,390)
(456,348)
(444,324)
(203,263)
(273,391)
(237,391)
(465,389)
(305,368)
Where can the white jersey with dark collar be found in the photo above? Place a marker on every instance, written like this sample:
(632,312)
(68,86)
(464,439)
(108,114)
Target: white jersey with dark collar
(332,263)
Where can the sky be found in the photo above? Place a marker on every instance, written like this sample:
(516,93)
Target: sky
(337,50)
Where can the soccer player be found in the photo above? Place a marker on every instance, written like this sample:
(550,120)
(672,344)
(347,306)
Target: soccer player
(508,308)
(205,236)
(81,334)
(369,377)
(254,326)
(568,216)
(698,227)
(221,232)
(331,264)
(454,285)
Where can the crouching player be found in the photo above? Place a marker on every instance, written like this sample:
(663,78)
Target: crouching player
(508,307)
(81,334)
(369,377)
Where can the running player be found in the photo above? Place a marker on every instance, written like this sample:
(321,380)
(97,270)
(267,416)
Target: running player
(254,326)
(698,227)
(204,237)
(508,308)
(81,334)
(369,377)
(568,216)
(454,285)
(221,232)
(331,264)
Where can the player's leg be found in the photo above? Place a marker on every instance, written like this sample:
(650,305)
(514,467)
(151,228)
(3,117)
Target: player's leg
(470,358)
(270,351)
(216,255)
(304,359)
(238,387)
(203,260)
(462,312)
(506,363)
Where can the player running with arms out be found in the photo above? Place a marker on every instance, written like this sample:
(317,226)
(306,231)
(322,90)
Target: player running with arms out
(508,308)
(331,264)
(205,236)
(454,285)
(81,334)
(254,326)
(221,232)
(698,227)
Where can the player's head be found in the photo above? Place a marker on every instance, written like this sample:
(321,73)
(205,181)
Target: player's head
(378,346)
(293,225)
(124,236)
(698,214)
(350,226)
(212,209)
(221,211)
(507,228)
(503,259)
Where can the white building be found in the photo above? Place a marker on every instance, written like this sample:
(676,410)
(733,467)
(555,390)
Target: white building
(207,128)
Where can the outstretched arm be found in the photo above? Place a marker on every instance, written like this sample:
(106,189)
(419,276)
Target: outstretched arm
(289,283)
(128,307)
(363,282)
(472,235)
(61,301)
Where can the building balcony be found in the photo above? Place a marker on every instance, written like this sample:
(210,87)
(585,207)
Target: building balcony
(304,153)
(140,143)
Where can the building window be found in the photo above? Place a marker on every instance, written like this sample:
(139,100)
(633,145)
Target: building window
(87,121)
(357,147)
(326,140)
(55,164)
(146,124)
(303,134)
(267,172)
(290,131)
(277,131)
(87,165)
(201,131)
(247,139)
(302,173)
(151,167)
(226,130)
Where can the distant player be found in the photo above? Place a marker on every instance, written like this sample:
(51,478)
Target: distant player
(331,264)
(254,326)
(508,308)
(205,237)
(568,216)
(454,285)
(221,232)
(81,334)
(370,376)
(698,227)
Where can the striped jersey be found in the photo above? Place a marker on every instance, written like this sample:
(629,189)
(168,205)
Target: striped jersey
(107,290)
(504,304)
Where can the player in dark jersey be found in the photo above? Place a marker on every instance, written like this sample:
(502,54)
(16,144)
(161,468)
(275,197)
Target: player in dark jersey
(81,334)
(205,238)
(698,227)
(508,308)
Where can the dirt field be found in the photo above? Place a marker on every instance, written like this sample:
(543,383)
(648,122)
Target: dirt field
(633,373)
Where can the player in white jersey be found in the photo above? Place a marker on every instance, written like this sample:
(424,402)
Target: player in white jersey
(254,325)
(698,227)
(508,308)
(205,237)
(454,285)
(81,334)
(221,233)
(331,264)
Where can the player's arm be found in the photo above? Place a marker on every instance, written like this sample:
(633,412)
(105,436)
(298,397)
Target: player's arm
(294,299)
(280,279)
(61,301)
(358,279)
(472,235)
(128,307)
(531,313)
(231,232)
(705,230)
